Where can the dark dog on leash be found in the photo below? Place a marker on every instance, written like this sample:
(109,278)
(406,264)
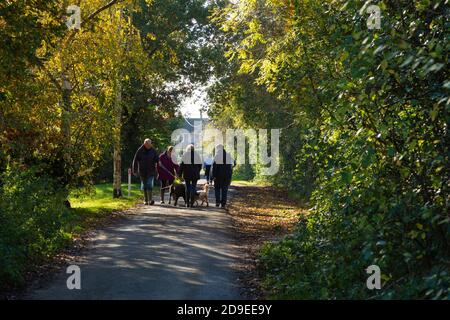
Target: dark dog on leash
(179,191)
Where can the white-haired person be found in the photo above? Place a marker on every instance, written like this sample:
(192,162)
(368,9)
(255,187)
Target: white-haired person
(144,166)
(190,167)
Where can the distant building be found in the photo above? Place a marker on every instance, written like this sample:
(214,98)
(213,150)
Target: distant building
(194,126)
(190,123)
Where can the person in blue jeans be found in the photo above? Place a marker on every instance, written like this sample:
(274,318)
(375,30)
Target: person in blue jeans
(144,166)
(190,167)
(207,164)
(222,171)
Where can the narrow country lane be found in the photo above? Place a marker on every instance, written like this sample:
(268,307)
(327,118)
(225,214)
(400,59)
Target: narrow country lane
(156,252)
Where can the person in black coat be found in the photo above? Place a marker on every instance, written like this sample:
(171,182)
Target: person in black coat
(222,171)
(144,166)
(190,167)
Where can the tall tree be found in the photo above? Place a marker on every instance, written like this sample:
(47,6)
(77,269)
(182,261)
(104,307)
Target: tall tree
(369,109)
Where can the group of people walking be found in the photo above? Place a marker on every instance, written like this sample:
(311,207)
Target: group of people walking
(148,166)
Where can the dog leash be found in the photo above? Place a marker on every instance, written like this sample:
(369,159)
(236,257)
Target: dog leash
(165,169)
(168,187)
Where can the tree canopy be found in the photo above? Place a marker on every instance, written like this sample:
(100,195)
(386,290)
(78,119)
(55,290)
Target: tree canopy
(364,114)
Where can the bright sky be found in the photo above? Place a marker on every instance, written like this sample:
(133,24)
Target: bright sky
(191,106)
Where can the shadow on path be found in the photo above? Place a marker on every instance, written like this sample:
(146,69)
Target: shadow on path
(157,252)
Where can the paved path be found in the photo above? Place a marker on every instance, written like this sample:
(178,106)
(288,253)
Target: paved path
(156,252)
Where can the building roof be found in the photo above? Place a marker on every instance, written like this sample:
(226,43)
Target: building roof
(190,122)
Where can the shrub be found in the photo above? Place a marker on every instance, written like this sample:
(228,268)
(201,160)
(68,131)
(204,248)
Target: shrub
(326,257)
(32,212)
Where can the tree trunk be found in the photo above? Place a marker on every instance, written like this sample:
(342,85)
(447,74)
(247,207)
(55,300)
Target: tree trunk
(66,110)
(66,115)
(117,157)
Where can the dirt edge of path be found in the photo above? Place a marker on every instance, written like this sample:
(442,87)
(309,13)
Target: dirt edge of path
(260,214)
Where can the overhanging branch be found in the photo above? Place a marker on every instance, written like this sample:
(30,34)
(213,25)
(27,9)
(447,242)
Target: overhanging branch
(106,6)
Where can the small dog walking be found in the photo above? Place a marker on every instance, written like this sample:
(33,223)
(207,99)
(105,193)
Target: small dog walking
(203,195)
(179,191)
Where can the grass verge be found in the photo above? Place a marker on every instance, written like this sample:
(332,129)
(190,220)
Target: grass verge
(57,236)
(88,210)
(95,208)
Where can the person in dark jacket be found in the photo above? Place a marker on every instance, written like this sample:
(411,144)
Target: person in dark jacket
(190,171)
(167,170)
(222,171)
(144,166)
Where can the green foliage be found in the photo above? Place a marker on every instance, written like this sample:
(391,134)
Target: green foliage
(243,172)
(24,24)
(36,224)
(32,215)
(67,97)
(173,63)
(98,200)
(365,139)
